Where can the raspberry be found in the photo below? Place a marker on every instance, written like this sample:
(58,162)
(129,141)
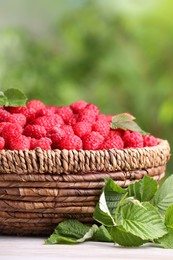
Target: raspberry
(78,106)
(4,115)
(82,128)
(150,140)
(18,119)
(86,115)
(20,142)
(118,131)
(93,141)
(56,134)
(66,113)
(2,124)
(35,131)
(102,127)
(49,121)
(11,131)
(73,120)
(93,108)
(48,111)
(2,143)
(14,110)
(109,118)
(71,142)
(36,105)
(114,141)
(44,143)
(29,113)
(132,139)
(67,129)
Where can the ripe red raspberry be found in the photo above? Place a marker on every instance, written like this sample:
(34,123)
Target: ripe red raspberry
(66,113)
(93,141)
(2,124)
(49,121)
(82,129)
(77,106)
(48,111)
(118,131)
(71,142)
(18,119)
(93,108)
(114,141)
(29,113)
(2,143)
(20,142)
(86,115)
(4,115)
(150,140)
(67,129)
(44,143)
(73,120)
(132,139)
(14,110)
(102,127)
(36,105)
(35,131)
(9,131)
(56,134)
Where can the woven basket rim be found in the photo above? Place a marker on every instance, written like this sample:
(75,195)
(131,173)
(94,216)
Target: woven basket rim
(161,143)
(70,161)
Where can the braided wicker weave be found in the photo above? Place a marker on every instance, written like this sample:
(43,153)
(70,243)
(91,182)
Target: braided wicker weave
(39,189)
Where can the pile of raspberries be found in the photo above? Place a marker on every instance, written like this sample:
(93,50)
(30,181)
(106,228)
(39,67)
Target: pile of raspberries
(78,126)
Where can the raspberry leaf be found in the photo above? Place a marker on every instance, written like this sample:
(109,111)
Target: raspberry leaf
(167,240)
(102,235)
(164,196)
(108,202)
(3,99)
(15,97)
(68,232)
(126,122)
(73,232)
(142,220)
(123,238)
(143,190)
(169,217)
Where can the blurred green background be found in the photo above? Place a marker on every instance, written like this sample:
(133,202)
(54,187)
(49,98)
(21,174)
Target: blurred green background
(117,54)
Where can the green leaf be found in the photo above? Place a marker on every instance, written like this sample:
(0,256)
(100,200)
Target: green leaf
(71,228)
(109,199)
(164,196)
(169,217)
(123,238)
(167,240)
(102,235)
(125,122)
(3,99)
(88,235)
(102,213)
(142,220)
(55,238)
(143,190)
(15,97)
(71,232)
(113,194)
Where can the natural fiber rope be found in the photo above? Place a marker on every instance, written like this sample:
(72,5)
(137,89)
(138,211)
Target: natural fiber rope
(64,161)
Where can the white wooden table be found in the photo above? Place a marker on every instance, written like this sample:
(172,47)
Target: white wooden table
(27,248)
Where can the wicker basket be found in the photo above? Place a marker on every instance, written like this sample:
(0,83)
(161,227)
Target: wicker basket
(39,189)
